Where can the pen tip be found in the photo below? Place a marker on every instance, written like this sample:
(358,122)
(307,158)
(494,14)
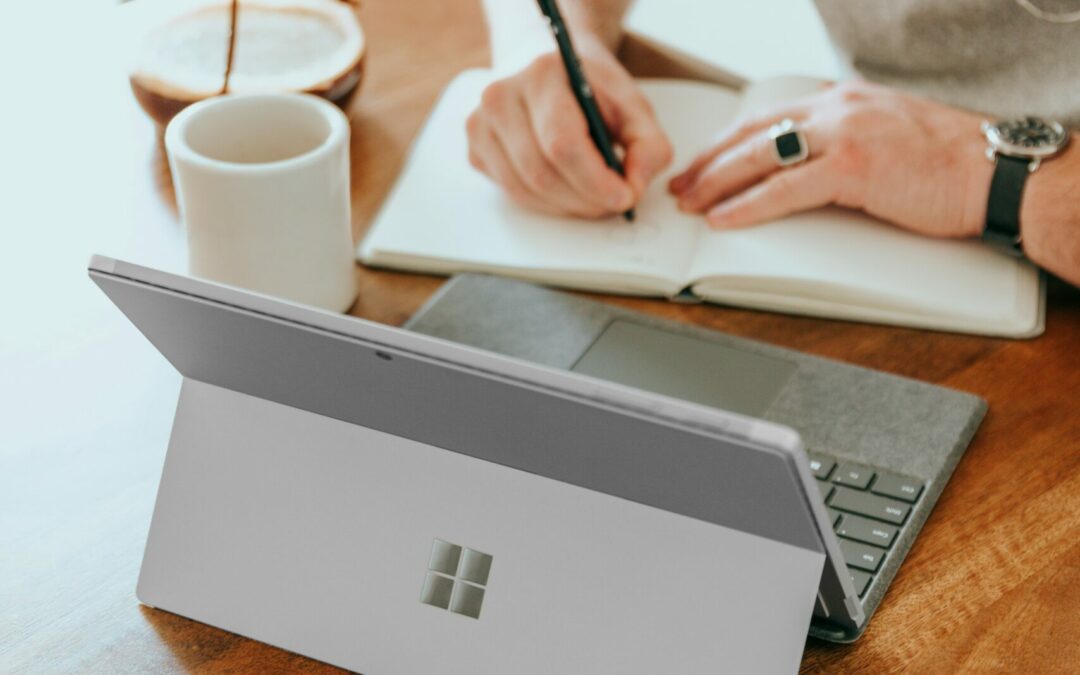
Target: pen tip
(629,215)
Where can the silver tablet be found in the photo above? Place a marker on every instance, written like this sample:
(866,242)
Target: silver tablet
(391,502)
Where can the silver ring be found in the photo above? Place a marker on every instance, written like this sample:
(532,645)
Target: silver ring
(788,143)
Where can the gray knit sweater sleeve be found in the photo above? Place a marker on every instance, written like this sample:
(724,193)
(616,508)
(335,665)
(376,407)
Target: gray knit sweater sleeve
(991,56)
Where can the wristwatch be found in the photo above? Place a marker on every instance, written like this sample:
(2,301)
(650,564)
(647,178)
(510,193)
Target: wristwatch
(1017,148)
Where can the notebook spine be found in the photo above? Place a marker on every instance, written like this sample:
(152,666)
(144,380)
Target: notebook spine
(687,297)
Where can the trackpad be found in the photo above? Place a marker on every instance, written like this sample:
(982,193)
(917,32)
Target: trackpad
(685,367)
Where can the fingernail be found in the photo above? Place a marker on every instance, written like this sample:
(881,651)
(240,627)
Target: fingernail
(718,217)
(621,200)
(638,180)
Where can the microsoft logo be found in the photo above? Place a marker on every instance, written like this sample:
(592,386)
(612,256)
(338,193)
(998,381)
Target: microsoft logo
(456,578)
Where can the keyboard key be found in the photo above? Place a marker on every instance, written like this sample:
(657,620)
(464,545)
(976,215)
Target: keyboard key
(822,467)
(897,487)
(861,556)
(867,531)
(861,580)
(871,506)
(850,475)
(826,489)
(834,515)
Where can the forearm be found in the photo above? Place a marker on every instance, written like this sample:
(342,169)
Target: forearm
(601,19)
(519,33)
(1050,215)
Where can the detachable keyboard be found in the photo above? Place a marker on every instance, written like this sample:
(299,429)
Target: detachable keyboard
(869,509)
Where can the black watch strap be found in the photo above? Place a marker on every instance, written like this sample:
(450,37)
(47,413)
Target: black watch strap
(1003,208)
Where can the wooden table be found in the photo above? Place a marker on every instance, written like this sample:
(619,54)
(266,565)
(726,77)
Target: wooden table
(992,584)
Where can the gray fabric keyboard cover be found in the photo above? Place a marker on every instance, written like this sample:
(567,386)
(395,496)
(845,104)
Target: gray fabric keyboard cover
(850,413)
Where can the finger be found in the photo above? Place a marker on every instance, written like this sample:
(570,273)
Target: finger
(648,150)
(728,173)
(737,169)
(522,146)
(798,188)
(728,139)
(563,137)
(487,155)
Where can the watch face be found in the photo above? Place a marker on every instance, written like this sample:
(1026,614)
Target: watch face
(1027,137)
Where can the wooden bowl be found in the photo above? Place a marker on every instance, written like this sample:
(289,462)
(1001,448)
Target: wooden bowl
(313,46)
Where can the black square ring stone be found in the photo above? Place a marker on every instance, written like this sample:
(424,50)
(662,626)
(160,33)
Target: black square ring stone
(789,143)
(788,146)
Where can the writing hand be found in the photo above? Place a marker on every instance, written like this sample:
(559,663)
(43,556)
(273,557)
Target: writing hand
(530,137)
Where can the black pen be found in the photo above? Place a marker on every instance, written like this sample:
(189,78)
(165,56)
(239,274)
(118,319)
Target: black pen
(582,91)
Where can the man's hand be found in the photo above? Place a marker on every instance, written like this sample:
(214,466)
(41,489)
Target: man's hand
(915,163)
(530,136)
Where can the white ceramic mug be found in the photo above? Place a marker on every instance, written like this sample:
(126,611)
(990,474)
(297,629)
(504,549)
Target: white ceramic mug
(262,182)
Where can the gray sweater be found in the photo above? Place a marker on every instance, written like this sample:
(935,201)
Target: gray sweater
(991,56)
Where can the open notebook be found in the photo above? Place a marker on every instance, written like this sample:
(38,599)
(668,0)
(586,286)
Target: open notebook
(445,217)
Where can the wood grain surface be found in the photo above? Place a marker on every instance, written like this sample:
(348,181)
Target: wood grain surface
(992,585)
